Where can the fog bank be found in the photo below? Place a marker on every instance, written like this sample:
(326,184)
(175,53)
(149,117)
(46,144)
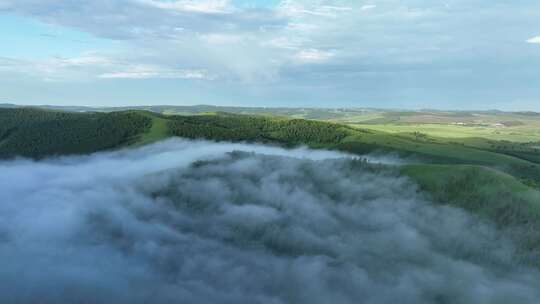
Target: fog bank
(190,222)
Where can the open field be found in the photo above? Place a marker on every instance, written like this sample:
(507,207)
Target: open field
(529,132)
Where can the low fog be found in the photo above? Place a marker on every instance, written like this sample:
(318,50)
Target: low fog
(194,222)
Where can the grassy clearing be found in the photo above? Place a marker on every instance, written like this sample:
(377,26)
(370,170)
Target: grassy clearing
(519,134)
(434,148)
(158,131)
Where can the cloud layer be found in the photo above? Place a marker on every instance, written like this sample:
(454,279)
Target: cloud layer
(392,53)
(190,222)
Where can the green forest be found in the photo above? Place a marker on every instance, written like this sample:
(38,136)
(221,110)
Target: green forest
(257,129)
(39,133)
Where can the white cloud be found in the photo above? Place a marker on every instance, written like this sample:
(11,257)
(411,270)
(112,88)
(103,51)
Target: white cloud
(367,7)
(146,72)
(282,43)
(302,27)
(314,55)
(221,38)
(62,69)
(534,40)
(82,61)
(336,8)
(298,9)
(93,66)
(198,6)
(8,63)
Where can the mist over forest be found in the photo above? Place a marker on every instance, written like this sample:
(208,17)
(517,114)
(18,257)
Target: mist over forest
(204,222)
(269,152)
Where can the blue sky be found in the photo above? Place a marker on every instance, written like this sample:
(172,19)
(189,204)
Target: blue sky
(454,54)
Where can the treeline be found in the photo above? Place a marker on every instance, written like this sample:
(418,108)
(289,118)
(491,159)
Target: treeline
(257,128)
(527,151)
(37,133)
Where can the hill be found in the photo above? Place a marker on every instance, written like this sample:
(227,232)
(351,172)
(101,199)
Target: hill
(40,133)
(487,181)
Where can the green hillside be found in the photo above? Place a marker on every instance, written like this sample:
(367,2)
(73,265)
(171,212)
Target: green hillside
(234,127)
(490,194)
(39,133)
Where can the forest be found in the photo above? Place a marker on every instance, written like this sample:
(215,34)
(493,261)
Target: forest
(39,133)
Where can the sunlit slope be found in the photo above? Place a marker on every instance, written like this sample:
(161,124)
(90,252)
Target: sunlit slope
(522,132)
(437,150)
(318,134)
(482,190)
(39,133)
(224,126)
(158,130)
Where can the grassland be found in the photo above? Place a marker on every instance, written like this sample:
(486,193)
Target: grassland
(520,134)
(158,130)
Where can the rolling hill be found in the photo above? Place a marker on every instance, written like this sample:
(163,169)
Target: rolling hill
(486,182)
(490,182)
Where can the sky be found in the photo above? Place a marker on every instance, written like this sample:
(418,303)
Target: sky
(453,54)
